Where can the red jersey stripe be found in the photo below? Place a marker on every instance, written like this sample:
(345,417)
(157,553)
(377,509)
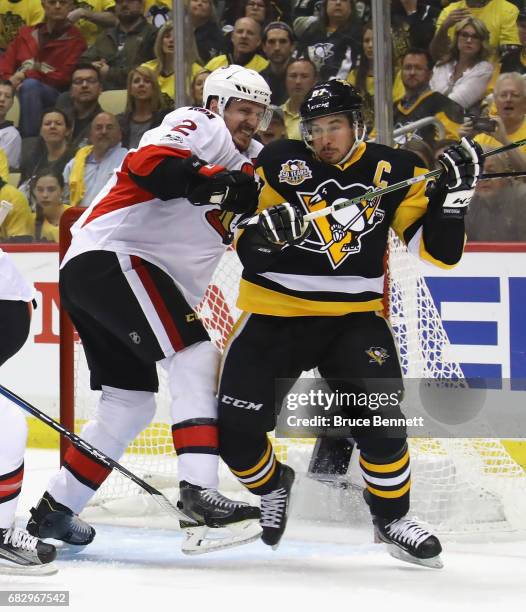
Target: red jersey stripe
(126,192)
(195,435)
(11,483)
(144,161)
(158,303)
(86,467)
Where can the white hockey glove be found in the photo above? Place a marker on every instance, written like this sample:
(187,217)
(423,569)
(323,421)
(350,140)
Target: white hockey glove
(463,164)
(283,225)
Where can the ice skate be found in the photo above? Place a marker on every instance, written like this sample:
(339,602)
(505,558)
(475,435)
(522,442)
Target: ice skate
(23,554)
(274,508)
(53,520)
(409,541)
(212,510)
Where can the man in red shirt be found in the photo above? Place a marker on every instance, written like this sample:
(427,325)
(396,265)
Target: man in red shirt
(40,60)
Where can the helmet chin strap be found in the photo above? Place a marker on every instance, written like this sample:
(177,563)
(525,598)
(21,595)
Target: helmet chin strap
(359,132)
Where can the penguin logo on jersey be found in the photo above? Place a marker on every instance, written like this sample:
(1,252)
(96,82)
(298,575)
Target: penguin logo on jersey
(339,235)
(294,172)
(377,354)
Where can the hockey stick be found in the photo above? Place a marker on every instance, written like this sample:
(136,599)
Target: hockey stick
(375,193)
(163,501)
(494,175)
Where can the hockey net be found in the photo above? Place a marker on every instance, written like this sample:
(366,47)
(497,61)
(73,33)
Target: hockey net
(459,485)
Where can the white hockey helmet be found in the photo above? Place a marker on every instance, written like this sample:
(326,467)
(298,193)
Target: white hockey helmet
(237,83)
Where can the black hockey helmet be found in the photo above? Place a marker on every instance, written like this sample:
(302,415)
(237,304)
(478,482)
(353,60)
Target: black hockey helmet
(331,98)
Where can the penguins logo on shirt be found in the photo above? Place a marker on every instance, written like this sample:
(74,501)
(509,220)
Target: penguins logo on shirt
(339,235)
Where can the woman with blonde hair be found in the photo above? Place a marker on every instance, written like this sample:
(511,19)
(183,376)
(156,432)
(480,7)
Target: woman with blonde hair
(143,106)
(163,64)
(464,73)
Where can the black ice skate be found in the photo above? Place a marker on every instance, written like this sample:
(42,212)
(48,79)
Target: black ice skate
(53,520)
(409,541)
(22,554)
(274,508)
(215,511)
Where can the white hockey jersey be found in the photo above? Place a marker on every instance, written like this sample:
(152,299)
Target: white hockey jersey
(182,239)
(12,284)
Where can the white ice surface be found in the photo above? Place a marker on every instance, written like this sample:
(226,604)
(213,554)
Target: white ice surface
(317,567)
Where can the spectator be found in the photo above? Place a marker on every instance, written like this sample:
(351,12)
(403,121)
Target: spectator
(278,10)
(306,8)
(259,10)
(92,16)
(18,225)
(15,14)
(51,149)
(119,49)
(198,82)
(412,26)
(362,78)
(82,102)
(208,36)
(163,64)
(499,16)
(301,76)
(278,46)
(48,189)
(332,41)
(91,168)
(423,150)
(514,61)
(10,140)
(4,166)
(40,60)
(420,101)
(276,128)
(509,123)
(496,211)
(464,73)
(143,107)
(246,40)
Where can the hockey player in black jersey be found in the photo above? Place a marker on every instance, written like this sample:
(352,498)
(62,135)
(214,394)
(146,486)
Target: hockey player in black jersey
(312,296)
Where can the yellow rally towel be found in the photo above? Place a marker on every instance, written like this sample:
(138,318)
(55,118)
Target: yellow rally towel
(77,188)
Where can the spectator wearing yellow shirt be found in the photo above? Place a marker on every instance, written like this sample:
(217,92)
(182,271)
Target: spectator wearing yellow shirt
(499,16)
(92,16)
(17,13)
(163,64)
(509,123)
(246,40)
(4,166)
(18,225)
(48,187)
(300,78)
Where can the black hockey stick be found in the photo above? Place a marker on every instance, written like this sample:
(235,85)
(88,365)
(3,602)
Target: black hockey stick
(494,175)
(163,501)
(375,193)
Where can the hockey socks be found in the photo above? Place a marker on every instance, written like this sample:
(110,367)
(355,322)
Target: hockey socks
(258,473)
(388,483)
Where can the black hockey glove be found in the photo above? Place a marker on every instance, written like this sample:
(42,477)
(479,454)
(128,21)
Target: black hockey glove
(463,163)
(283,225)
(233,190)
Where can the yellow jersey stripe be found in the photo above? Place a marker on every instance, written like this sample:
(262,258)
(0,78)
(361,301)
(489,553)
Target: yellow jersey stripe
(390,494)
(257,467)
(386,467)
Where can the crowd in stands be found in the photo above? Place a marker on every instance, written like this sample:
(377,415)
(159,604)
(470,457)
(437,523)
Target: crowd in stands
(82,80)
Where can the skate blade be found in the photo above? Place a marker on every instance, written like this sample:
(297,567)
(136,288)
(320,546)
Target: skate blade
(65,547)
(196,542)
(402,555)
(13,569)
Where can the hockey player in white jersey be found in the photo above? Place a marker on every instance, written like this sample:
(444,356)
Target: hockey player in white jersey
(20,553)
(140,260)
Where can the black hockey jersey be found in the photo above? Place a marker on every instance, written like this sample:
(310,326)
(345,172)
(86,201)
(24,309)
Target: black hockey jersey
(429,104)
(339,268)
